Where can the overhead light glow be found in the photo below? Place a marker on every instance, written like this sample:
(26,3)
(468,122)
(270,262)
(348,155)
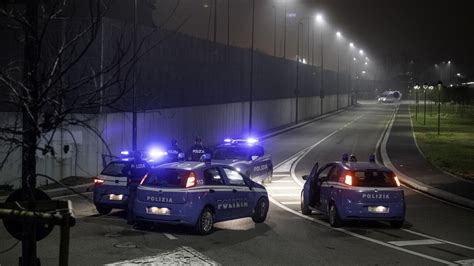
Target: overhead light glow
(319,18)
(361,52)
(351,45)
(338,34)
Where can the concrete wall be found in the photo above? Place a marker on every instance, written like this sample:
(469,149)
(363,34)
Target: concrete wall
(155,128)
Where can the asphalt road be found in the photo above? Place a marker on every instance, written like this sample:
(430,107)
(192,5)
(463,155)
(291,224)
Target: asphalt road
(435,232)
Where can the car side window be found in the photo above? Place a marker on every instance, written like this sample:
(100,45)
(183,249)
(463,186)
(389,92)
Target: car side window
(335,174)
(324,173)
(234,177)
(213,177)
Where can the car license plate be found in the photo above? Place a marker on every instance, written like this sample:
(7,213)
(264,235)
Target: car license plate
(378,209)
(115,197)
(158,211)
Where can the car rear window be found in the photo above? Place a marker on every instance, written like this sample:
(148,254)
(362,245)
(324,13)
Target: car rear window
(167,178)
(114,169)
(374,178)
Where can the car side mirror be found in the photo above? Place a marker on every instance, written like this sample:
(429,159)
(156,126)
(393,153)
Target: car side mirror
(305,177)
(254,157)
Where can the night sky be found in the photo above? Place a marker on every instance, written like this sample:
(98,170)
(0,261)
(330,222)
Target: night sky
(392,32)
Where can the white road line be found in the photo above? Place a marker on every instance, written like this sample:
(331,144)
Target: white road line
(419,242)
(438,239)
(283,181)
(170,236)
(285,195)
(281,175)
(290,202)
(282,188)
(466,262)
(72,195)
(360,236)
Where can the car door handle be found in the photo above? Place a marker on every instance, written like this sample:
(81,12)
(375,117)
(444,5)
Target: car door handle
(211,191)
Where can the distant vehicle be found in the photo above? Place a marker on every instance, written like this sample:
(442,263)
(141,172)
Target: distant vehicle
(390,97)
(246,156)
(111,189)
(198,194)
(354,191)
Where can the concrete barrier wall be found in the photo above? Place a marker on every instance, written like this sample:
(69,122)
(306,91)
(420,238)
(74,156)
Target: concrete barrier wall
(155,129)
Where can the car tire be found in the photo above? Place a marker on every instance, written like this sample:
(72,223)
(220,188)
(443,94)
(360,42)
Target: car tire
(103,210)
(260,211)
(205,222)
(334,219)
(304,207)
(397,224)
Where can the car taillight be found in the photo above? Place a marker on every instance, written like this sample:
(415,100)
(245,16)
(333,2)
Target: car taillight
(396,180)
(143,179)
(191,181)
(348,180)
(98,181)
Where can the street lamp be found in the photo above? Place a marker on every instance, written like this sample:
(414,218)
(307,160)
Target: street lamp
(416,88)
(425,89)
(320,21)
(251,69)
(439,86)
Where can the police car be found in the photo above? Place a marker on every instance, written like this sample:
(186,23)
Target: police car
(246,156)
(354,191)
(198,194)
(111,189)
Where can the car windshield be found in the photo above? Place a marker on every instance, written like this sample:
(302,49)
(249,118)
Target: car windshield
(114,169)
(167,178)
(235,153)
(374,178)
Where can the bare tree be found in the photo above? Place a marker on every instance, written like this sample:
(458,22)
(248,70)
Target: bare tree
(60,76)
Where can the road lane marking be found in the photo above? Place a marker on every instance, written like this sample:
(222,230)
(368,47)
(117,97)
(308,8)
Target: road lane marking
(438,239)
(180,256)
(359,236)
(283,181)
(286,195)
(415,242)
(466,262)
(281,188)
(170,236)
(290,202)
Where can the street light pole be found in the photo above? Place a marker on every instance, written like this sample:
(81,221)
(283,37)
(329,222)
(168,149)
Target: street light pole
(338,35)
(440,86)
(274,30)
(297,70)
(425,88)
(321,93)
(251,69)
(134,107)
(284,30)
(416,88)
(215,21)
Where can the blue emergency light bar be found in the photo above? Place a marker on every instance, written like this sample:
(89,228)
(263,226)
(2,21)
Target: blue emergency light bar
(249,140)
(156,153)
(124,153)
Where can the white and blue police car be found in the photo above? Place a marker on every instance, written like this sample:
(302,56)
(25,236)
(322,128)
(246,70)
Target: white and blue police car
(198,194)
(351,190)
(246,156)
(111,186)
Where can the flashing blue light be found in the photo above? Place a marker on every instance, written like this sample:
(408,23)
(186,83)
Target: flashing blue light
(125,159)
(227,140)
(124,152)
(252,140)
(156,153)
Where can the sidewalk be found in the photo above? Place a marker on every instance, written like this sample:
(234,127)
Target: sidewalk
(406,158)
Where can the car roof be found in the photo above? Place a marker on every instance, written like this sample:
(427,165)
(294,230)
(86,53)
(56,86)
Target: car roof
(359,166)
(188,165)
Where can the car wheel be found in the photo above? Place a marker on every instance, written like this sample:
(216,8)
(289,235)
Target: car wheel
(261,210)
(397,224)
(103,210)
(205,222)
(334,219)
(304,207)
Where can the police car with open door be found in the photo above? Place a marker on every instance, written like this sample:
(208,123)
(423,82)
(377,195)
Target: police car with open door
(354,191)
(111,186)
(198,194)
(246,156)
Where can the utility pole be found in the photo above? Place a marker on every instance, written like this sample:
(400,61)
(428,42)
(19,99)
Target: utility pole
(134,107)
(274,30)
(321,92)
(251,69)
(337,79)
(215,21)
(297,69)
(228,23)
(284,30)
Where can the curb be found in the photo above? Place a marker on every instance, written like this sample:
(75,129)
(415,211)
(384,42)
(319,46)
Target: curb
(413,183)
(57,192)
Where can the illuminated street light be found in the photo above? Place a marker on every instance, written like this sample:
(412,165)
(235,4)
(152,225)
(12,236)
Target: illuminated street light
(416,88)
(458,74)
(361,52)
(364,72)
(366,63)
(351,45)
(338,34)
(355,59)
(319,18)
